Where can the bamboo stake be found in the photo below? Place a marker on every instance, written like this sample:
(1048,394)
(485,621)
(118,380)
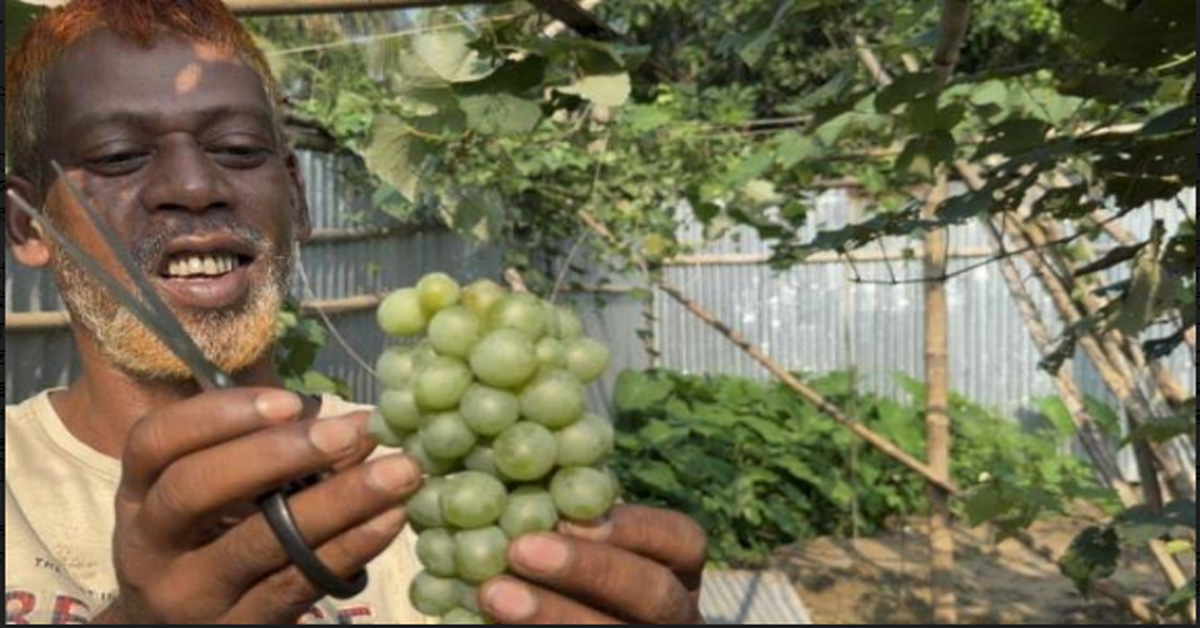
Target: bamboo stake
(1107,356)
(1090,435)
(937,414)
(881,443)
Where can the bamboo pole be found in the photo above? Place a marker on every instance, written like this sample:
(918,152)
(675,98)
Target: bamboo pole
(1106,355)
(937,413)
(881,443)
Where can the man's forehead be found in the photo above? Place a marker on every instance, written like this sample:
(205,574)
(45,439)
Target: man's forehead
(103,72)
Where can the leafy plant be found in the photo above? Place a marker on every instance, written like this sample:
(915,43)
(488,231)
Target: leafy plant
(299,340)
(760,468)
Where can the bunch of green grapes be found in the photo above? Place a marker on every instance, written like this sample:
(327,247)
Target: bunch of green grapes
(488,395)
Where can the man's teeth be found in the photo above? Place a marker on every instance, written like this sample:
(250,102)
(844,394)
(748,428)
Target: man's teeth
(201,265)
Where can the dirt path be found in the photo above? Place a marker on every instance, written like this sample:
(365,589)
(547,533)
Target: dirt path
(885,580)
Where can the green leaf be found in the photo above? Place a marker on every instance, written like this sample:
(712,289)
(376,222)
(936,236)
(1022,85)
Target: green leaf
(608,90)
(1092,556)
(449,55)
(985,504)
(1179,601)
(1056,413)
(397,156)
(1180,546)
(922,154)
(1013,137)
(1140,304)
(640,391)
(793,148)
(1105,415)
(905,88)
(659,476)
(500,113)
(752,48)
(17,18)
(1162,430)
(1173,120)
(1140,524)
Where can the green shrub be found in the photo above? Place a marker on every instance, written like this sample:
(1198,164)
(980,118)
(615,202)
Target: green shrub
(759,468)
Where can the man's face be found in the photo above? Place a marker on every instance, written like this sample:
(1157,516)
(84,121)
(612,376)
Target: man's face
(177,148)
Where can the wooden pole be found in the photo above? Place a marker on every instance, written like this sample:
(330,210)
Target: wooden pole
(937,412)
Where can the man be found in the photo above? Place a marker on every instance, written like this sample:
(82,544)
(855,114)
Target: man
(127,493)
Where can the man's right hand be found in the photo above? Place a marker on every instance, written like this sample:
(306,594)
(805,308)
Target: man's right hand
(188,466)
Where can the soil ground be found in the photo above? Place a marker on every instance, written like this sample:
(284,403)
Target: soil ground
(885,580)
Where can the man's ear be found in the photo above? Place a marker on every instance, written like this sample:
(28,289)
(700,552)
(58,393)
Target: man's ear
(29,245)
(303,221)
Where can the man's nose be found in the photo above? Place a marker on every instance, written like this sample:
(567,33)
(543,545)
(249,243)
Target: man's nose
(184,177)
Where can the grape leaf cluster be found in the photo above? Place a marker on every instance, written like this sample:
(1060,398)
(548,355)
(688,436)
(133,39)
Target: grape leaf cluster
(487,394)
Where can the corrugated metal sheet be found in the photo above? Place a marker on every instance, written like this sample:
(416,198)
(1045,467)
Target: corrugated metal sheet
(751,597)
(815,318)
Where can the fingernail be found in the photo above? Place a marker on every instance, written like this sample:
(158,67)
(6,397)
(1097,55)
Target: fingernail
(542,553)
(277,405)
(598,530)
(392,475)
(388,522)
(510,601)
(333,435)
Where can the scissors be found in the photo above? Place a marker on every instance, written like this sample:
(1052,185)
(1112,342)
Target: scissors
(152,312)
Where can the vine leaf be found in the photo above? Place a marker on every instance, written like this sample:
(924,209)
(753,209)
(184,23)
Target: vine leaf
(608,90)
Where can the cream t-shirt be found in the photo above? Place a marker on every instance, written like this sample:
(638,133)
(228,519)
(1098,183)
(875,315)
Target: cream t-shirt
(59,519)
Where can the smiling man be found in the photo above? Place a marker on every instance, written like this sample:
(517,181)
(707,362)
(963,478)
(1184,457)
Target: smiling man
(128,494)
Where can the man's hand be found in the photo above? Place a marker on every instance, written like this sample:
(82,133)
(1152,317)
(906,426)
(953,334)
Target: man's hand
(642,565)
(189,467)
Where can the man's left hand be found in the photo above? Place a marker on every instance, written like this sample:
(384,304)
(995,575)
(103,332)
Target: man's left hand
(640,565)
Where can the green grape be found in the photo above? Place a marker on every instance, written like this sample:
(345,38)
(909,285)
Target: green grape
(462,616)
(470,598)
(567,323)
(481,295)
(582,493)
(433,595)
(584,443)
(525,452)
(400,314)
(554,399)
(586,359)
(441,384)
(423,354)
(504,358)
(472,500)
(437,291)
(529,509)
(381,432)
(614,484)
(454,330)
(396,367)
(489,411)
(399,408)
(483,460)
(521,311)
(432,465)
(446,436)
(435,549)
(424,508)
(551,353)
(480,554)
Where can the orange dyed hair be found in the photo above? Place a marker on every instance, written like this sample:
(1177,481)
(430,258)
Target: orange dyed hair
(136,21)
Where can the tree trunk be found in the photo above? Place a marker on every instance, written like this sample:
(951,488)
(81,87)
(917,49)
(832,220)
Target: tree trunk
(937,414)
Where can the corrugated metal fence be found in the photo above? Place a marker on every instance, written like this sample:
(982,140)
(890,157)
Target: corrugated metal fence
(811,317)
